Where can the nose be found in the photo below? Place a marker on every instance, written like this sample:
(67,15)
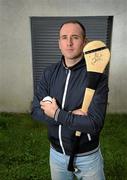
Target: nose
(69,41)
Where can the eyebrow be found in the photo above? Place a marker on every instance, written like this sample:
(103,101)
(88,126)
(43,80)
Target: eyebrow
(73,35)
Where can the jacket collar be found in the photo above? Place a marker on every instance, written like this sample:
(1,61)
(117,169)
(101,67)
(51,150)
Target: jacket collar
(78,65)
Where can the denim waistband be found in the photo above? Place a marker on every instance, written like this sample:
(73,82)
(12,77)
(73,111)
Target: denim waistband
(82,154)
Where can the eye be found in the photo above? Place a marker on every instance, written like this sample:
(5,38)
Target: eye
(75,37)
(63,37)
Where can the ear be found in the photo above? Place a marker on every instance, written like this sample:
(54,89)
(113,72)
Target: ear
(86,41)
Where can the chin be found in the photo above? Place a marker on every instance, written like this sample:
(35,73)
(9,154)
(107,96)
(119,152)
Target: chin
(71,56)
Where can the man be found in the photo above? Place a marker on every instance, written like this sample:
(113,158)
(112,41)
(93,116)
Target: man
(65,82)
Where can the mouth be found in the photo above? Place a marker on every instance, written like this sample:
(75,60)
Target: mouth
(70,49)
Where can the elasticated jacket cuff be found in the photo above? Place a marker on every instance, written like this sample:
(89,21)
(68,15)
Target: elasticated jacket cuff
(56,114)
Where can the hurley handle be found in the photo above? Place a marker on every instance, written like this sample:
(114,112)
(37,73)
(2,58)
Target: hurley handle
(97,56)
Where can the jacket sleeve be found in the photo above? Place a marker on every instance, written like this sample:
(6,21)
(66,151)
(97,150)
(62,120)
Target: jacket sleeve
(42,91)
(94,121)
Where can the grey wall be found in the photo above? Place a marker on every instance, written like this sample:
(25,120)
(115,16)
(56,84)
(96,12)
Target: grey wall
(16,83)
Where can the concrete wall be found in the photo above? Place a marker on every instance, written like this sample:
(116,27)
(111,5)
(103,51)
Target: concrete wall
(16,83)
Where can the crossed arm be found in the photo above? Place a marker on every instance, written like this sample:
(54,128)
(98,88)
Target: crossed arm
(76,119)
(50,108)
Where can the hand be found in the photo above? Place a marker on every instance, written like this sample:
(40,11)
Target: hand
(49,108)
(79,112)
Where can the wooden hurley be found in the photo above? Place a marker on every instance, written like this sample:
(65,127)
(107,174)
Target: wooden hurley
(97,56)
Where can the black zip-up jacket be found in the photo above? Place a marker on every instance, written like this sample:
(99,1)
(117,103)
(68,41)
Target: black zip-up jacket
(52,83)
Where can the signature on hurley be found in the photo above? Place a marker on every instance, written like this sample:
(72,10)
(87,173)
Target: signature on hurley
(97,57)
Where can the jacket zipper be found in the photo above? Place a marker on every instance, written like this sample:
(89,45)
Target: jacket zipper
(63,104)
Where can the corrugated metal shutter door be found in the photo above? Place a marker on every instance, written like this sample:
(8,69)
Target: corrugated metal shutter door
(45,31)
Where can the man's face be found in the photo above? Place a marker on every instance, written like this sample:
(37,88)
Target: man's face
(71,42)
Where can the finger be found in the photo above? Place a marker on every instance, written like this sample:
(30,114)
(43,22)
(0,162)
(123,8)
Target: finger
(83,113)
(42,107)
(53,100)
(41,102)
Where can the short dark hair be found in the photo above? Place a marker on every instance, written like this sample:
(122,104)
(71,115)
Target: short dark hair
(75,22)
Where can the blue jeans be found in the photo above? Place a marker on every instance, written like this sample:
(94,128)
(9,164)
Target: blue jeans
(90,167)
